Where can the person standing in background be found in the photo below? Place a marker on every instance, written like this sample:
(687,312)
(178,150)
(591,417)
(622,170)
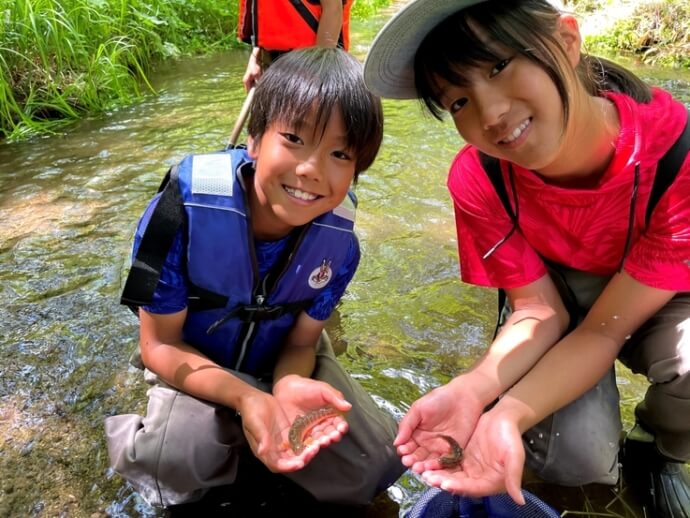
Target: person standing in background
(274,27)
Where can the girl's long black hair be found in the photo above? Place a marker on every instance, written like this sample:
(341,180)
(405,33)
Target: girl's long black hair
(527,27)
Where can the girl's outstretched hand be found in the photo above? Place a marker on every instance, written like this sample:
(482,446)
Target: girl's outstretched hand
(307,404)
(493,461)
(451,410)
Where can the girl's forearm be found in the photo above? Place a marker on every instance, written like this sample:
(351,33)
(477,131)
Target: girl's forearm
(566,371)
(523,340)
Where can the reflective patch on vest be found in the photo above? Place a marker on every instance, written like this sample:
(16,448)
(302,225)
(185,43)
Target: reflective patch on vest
(346,209)
(212,174)
(321,275)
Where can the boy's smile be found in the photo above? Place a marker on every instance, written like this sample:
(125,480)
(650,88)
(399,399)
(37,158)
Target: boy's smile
(302,171)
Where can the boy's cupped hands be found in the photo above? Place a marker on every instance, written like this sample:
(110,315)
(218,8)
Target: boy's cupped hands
(267,419)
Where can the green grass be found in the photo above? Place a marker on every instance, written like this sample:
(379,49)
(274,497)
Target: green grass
(658,33)
(60,60)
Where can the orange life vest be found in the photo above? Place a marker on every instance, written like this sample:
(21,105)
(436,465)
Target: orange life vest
(285,24)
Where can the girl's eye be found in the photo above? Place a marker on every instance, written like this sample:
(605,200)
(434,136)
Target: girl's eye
(291,137)
(499,67)
(457,105)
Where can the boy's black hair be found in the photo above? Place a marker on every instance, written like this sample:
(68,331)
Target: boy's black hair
(320,79)
(527,27)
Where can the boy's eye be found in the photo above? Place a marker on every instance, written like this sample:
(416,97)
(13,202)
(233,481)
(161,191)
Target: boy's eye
(457,105)
(291,137)
(499,67)
(341,155)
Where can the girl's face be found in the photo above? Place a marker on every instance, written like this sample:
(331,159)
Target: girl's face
(300,174)
(511,109)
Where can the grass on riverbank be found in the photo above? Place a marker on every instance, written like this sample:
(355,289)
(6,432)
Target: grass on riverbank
(658,32)
(60,60)
(63,59)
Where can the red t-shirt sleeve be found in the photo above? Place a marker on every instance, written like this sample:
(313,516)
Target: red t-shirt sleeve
(482,221)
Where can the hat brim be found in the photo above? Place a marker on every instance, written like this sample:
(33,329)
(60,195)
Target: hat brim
(389,65)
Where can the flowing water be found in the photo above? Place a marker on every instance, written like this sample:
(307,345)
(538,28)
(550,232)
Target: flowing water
(68,204)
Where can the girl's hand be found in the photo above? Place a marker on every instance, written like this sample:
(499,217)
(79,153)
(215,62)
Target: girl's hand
(300,396)
(451,410)
(264,425)
(493,461)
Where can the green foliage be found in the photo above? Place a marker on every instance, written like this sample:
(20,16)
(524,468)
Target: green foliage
(658,32)
(362,9)
(62,59)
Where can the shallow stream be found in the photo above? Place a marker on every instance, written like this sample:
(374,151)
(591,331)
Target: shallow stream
(69,203)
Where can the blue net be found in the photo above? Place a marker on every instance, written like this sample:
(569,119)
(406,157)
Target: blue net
(435,503)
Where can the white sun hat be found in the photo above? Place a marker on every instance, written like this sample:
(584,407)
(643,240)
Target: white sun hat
(389,65)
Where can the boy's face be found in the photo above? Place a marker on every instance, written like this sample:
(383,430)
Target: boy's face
(300,174)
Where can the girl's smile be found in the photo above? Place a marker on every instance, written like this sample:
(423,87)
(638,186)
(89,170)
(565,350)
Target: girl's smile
(513,112)
(518,135)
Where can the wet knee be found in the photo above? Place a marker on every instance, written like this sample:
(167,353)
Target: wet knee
(577,469)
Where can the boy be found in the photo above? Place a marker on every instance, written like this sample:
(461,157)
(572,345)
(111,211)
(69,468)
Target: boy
(229,336)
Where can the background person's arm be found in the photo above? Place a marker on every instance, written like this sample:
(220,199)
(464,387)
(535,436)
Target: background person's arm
(330,23)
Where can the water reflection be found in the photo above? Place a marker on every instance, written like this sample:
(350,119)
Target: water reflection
(69,203)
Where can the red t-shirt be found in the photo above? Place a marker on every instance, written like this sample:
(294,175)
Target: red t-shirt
(584,229)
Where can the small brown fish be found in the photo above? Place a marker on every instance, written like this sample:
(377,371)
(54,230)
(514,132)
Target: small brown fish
(455,456)
(302,425)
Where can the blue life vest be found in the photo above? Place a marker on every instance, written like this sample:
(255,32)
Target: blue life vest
(234,317)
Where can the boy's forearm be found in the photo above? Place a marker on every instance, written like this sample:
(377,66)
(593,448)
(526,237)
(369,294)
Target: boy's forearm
(185,368)
(299,360)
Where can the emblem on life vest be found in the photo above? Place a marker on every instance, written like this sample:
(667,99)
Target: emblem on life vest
(321,275)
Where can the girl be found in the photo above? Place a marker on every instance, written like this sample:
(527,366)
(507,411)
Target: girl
(592,272)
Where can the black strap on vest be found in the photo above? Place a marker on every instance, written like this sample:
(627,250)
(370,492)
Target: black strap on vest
(260,311)
(157,240)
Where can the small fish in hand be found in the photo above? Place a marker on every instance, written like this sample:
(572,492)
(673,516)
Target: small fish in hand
(455,457)
(298,436)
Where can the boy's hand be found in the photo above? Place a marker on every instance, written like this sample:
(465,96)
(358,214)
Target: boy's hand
(300,396)
(265,426)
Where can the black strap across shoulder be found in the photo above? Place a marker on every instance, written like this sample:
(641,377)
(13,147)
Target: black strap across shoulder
(492,168)
(668,168)
(167,218)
